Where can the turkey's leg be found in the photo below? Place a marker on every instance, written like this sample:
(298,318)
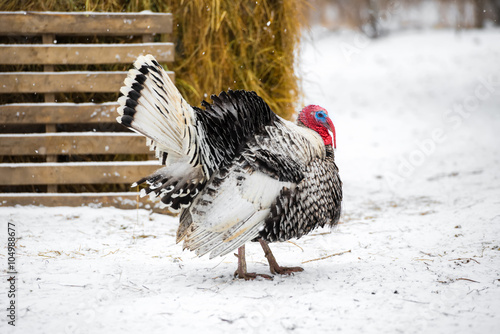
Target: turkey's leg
(241,272)
(273,265)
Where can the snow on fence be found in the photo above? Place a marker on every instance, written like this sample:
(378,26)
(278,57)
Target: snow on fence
(45,164)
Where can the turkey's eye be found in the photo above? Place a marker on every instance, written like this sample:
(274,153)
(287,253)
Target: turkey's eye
(320,116)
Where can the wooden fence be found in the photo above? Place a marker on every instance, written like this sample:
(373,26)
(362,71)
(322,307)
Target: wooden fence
(51,170)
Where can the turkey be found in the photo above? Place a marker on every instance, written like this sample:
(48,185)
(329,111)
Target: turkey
(234,170)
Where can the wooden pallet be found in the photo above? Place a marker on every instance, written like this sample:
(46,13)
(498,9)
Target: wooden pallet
(47,148)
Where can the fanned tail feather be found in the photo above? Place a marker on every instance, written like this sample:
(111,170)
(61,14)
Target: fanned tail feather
(152,106)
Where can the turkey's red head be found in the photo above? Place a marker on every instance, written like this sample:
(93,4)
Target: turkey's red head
(317,119)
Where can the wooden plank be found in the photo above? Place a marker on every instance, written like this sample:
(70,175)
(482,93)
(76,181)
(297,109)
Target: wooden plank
(75,172)
(63,82)
(122,200)
(73,143)
(58,113)
(84,23)
(81,54)
(50,97)
(54,82)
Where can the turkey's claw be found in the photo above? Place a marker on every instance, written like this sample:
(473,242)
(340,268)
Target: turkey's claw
(285,270)
(250,276)
(273,264)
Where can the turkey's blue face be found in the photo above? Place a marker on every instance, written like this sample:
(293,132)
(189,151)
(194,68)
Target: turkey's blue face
(317,119)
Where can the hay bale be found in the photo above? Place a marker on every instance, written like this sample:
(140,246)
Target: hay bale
(239,45)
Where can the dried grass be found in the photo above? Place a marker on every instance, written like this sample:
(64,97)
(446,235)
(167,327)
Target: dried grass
(239,45)
(326,257)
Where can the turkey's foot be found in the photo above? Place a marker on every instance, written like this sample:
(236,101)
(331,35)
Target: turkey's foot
(285,270)
(273,264)
(241,272)
(250,276)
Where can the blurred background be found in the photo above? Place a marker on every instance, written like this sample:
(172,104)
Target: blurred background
(377,17)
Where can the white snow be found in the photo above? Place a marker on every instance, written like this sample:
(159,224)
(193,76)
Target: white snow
(420,226)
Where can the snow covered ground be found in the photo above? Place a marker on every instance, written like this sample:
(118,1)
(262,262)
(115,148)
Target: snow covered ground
(417,117)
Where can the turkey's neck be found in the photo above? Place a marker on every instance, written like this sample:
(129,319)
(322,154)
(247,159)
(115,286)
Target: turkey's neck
(329,151)
(325,135)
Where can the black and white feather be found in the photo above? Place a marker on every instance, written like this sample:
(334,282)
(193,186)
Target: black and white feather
(235,170)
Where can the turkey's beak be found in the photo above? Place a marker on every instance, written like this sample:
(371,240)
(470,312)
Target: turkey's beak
(329,125)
